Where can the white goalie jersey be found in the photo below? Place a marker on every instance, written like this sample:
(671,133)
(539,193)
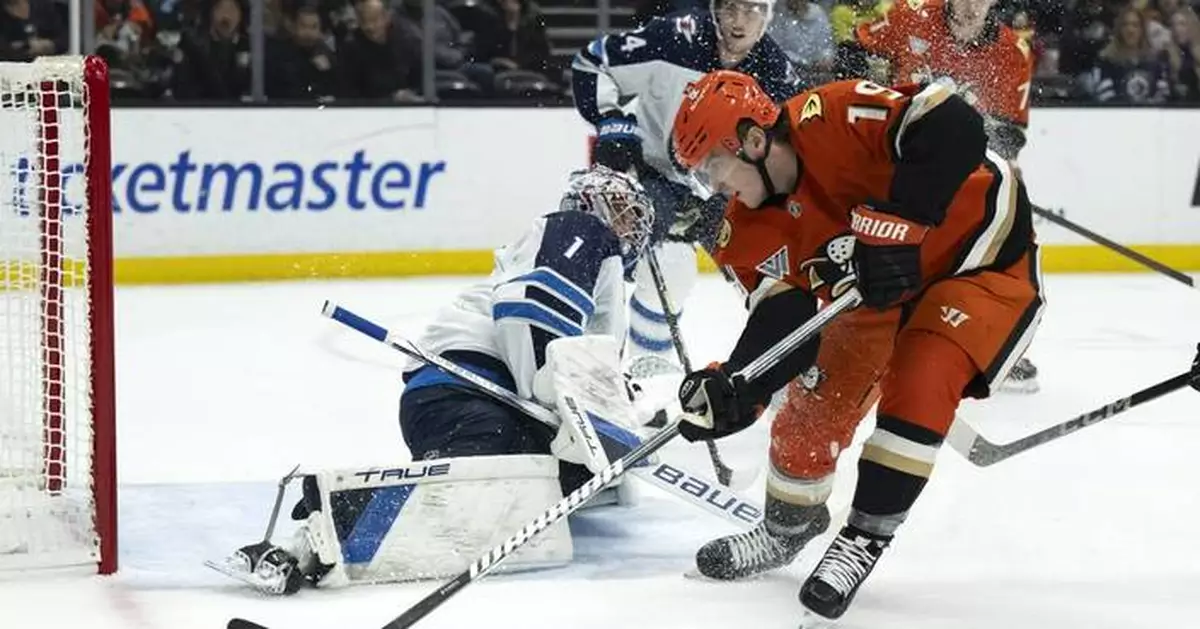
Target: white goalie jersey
(563,277)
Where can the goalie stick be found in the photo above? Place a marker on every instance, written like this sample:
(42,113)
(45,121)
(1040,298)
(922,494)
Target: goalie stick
(692,488)
(1144,260)
(588,490)
(725,474)
(968,442)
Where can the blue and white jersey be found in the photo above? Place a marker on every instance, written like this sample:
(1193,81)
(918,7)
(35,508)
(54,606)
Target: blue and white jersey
(644,73)
(563,277)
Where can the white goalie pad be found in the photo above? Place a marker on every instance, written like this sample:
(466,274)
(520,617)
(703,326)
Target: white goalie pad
(428,519)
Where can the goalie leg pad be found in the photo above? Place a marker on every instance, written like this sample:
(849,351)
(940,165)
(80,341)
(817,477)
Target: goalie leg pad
(429,519)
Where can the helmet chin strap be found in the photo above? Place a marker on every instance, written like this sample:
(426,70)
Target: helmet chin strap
(760,165)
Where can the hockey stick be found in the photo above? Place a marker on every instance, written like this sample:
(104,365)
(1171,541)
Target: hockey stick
(978,450)
(1142,259)
(579,497)
(723,471)
(692,488)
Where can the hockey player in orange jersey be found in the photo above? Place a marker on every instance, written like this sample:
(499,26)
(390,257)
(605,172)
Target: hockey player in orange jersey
(963,44)
(891,191)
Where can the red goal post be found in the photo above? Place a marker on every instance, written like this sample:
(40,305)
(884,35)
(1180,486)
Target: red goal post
(58,499)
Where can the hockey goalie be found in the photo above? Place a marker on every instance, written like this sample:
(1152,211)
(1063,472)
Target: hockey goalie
(545,326)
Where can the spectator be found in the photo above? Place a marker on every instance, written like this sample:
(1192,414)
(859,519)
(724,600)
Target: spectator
(451,45)
(379,60)
(301,64)
(850,59)
(515,39)
(126,24)
(449,40)
(30,28)
(1157,17)
(803,31)
(214,60)
(1128,69)
(178,15)
(125,38)
(340,16)
(1085,33)
(1184,55)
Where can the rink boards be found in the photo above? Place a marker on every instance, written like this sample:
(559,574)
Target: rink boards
(240,194)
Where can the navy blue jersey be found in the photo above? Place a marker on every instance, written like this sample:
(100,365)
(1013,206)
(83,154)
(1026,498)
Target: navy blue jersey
(563,277)
(644,72)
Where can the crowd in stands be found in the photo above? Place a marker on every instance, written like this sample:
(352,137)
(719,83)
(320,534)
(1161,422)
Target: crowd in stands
(1105,51)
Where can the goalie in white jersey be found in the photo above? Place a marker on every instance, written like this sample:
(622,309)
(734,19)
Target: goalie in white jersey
(481,469)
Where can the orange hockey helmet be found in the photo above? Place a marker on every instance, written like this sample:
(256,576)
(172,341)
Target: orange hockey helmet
(712,107)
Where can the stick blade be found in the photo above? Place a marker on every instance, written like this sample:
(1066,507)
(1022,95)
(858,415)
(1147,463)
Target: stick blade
(971,445)
(242,623)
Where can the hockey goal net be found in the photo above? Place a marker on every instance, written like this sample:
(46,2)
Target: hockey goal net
(57,453)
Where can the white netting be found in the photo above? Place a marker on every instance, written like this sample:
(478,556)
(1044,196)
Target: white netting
(46,497)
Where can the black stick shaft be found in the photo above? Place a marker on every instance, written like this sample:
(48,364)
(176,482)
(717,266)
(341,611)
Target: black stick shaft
(724,472)
(1142,259)
(1098,415)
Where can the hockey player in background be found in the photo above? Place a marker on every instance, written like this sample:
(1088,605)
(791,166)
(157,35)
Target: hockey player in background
(480,468)
(629,86)
(963,44)
(889,191)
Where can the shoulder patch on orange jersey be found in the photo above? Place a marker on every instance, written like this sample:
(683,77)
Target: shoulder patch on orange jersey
(776,265)
(813,108)
(915,4)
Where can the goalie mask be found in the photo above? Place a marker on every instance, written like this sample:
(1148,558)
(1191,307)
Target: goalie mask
(617,199)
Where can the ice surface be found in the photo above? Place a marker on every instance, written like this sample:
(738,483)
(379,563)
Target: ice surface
(222,389)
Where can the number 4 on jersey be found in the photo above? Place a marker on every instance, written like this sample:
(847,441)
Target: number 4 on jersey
(632,43)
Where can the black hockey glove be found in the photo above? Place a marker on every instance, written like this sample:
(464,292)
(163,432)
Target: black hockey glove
(618,144)
(698,221)
(722,403)
(887,256)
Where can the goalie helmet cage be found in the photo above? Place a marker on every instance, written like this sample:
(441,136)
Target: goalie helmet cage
(57,412)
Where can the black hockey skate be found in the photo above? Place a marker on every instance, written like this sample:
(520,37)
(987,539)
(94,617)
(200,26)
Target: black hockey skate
(772,544)
(1022,378)
(850,558)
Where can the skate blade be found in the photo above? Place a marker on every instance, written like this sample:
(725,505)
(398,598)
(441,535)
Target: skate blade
(695,575)
(248,578)
(812,620)
(1019,387)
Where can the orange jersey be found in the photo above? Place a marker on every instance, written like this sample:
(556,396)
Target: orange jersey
(994,75)
(848,135)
